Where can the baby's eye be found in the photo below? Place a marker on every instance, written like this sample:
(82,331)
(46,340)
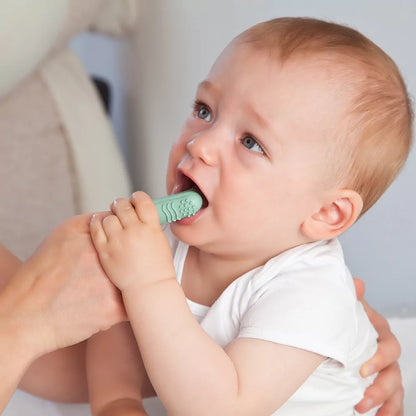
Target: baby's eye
(205,114)
(202,111)
(252,144)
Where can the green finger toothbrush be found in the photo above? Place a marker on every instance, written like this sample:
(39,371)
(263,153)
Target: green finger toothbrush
(177,206)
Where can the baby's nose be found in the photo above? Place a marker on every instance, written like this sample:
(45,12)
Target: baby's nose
(205,146)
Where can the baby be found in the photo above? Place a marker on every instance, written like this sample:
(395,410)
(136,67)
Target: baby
(247,308)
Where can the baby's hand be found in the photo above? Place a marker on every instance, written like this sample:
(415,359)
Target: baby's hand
(131,244)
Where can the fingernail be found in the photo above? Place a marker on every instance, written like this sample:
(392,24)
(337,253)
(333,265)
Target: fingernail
(367,403)
(368,370)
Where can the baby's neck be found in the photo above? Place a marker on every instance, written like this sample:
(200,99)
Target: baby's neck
(205,276)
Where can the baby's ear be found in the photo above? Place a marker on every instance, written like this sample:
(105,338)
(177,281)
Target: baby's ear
(337,214)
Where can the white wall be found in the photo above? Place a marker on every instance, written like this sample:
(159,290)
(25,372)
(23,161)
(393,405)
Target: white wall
(178,41)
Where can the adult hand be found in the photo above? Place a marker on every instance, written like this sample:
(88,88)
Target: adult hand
(387,389)
(61,295)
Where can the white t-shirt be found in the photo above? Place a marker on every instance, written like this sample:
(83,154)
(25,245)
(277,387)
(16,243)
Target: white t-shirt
(305,298)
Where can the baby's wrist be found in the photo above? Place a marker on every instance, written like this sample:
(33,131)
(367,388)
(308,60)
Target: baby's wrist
(147,278)
(142,296)
(139,287)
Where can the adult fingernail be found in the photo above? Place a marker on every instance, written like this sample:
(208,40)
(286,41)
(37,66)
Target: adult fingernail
(368,370)
(367,404)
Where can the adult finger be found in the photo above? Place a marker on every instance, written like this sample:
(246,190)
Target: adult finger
(387,384)
(393,406)
(359,288)
(388,352)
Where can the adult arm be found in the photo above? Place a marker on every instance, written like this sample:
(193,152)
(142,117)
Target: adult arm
(58,298)
(42,378)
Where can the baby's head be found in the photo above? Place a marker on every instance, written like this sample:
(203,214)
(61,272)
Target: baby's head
(300,122)
(373,139)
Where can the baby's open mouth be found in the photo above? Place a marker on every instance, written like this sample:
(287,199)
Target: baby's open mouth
(185,183)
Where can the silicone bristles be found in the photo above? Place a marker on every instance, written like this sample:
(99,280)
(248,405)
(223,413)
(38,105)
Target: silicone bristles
(177,206)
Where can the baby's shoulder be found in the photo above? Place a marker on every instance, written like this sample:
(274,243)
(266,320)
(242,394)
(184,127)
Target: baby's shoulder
(319,263)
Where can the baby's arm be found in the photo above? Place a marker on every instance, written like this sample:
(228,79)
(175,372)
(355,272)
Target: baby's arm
(191,373)
(117,380)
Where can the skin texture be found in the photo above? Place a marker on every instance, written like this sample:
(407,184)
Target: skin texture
(263,149)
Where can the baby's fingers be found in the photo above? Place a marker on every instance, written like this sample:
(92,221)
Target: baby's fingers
(111,226)
(102,227)
(125,212)
(97,232)
(145,208)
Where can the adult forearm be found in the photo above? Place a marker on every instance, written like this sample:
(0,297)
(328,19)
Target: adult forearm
(15,357)
(41,378)
(58,298)
(188,370)
(15,354)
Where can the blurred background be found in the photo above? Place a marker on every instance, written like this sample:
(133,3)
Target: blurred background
(153,76)
(139,62)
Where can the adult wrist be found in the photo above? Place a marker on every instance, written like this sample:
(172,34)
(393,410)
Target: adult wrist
(21,328)
(15,343)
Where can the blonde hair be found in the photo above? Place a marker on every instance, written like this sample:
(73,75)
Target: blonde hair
(376,135)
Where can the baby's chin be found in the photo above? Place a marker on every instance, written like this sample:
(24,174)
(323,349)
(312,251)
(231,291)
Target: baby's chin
(185,234)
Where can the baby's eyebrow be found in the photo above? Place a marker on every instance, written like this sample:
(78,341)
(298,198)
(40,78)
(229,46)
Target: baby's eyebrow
(209,86)
(257,117)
